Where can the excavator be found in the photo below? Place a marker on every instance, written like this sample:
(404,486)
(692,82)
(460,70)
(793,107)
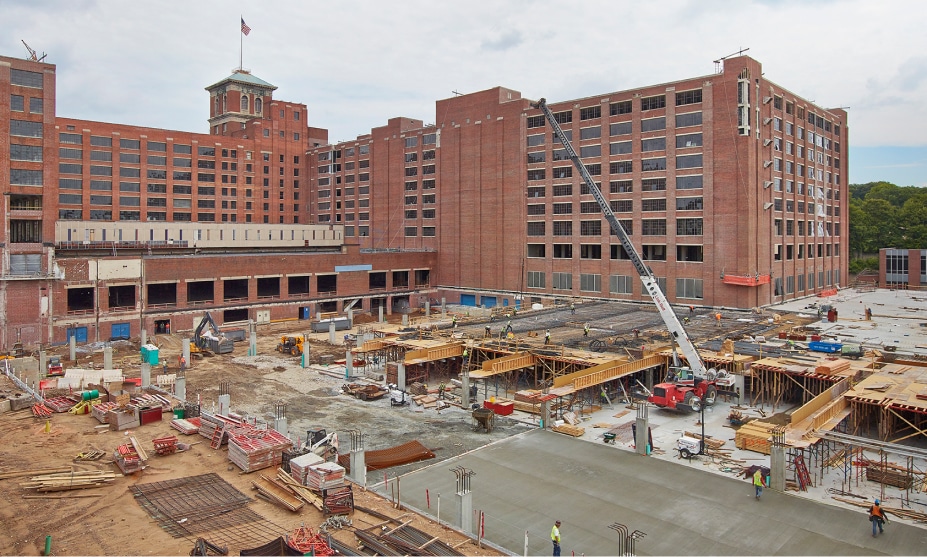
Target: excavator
(692,384)
(211,338)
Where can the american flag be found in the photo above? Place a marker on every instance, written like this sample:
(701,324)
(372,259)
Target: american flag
(244,27)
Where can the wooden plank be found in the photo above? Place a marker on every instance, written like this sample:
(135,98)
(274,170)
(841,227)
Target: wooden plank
(138,449)
(429,542)
(21,473)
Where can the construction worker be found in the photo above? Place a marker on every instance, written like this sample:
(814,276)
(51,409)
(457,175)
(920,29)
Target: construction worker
(454,321)
(547,338)
(572,308)
(586,330)
(691,310)
(877,518)
(183,363)
(759,481)
(466,354)
(718,318)
(488,333)
(441,388)
(685,320)
(555,538)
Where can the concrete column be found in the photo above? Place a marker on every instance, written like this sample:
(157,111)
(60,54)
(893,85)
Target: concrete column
(401,376)
(545,414)
(642,431)
(777,465)
(225,402)
(465,390)
(427,308)
(465,510)
(405,319)
(443,306)
(280,425)
(107,357)
(348,364)
(72,347)
(380,320)
(359,467)
(144,335)
(180,387)
(252,338)
(331,332)
(146,374)
(43,364)
(185,351)
(351,317)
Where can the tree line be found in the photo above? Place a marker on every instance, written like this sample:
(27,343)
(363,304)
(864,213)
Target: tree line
(883,215)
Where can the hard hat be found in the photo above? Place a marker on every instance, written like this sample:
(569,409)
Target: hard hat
(876,501)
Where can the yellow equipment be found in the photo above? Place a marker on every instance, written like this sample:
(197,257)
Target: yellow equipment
(291,344)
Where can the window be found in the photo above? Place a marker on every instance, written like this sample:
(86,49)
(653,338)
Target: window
(653,227)
(563,209)
(99,141)
(689,140)
(689,97)
(590,151)
(617,206)
(689,253)
(653,124)
(620,148)
(562,281)
(590,133)
(535,121)
(651,252)
(536,228)
(17,103)
(33,153)
(654,144)
(689,161)
(22,128)
(650,165)
(622,167)
(620,128)
(64,168)
(130,144)
(563,228)
(535,140)
(537,191)
(564,117)
(36,105)
(652,103)
(621,186)
(22,177)
(536,157)
(688,119)
(70,184)
(653,184)
(620,284)
(536,279)
(538,174)
(590,112)
(562,251)
(623,107)
(688,203)
(653,204)
(689,288)
(689,227)
(26,78)
(590,228)
(590,282)
(562,172)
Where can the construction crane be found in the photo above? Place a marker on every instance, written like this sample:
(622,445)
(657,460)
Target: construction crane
(33,55)
(651,286)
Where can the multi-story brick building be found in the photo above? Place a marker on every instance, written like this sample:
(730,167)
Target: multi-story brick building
(730,186)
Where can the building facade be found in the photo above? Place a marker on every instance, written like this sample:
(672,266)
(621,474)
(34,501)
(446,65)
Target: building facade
(902,268)
(729,185)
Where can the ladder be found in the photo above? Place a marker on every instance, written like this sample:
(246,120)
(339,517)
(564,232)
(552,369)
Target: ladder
(801,473)
(217,435)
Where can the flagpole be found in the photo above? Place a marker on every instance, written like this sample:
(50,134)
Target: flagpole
(241,42)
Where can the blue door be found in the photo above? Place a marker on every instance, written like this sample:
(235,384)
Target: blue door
(489,301)
(79,334)
(121,331)
(304,313)
(468,300)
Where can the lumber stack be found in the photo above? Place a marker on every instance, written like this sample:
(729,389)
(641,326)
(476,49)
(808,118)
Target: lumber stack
(754,436)
(323,476)
(894,478)
(299,466)
(277,492)
(299,490)
(67,481)
(710,442)
(830,367)
(569,430)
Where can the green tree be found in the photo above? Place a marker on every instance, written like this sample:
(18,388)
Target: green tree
(913,222)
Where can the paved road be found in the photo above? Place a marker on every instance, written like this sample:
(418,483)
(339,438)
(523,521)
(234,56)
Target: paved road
(528,481)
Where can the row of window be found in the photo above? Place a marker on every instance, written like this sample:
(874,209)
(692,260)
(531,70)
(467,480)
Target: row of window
(18,104)
(619,148)
(619,186)
(799,252)
(618,206)
(685,120)
(107,215)
(650,252)
(649,227)
(617,108)
(620,167)
(618,284)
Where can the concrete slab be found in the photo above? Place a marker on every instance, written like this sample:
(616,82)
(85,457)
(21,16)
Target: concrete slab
(524,483)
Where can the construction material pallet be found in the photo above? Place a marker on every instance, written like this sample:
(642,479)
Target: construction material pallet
(186,426)
(60,403)
(165,445)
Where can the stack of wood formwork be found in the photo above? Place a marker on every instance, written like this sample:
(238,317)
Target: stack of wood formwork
(299,466)
(326,475)
(830,366)
(755,436)
(253,449)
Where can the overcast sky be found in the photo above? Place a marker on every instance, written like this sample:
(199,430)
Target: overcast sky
(358,63)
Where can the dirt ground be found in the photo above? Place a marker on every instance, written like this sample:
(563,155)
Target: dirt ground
(114,524)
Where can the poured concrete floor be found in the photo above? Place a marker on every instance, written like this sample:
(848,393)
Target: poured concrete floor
(525,483)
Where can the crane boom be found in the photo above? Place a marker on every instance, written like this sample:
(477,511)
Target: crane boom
(651,286)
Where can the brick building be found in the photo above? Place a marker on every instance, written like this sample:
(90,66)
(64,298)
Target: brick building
(730,186)
(902,268)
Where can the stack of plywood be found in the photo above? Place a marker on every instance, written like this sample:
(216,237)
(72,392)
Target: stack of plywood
(754,436)
(299,466)
(569,430)
(830,367)
(326,475)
